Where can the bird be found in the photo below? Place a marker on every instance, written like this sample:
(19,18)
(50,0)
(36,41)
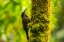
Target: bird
(25,21)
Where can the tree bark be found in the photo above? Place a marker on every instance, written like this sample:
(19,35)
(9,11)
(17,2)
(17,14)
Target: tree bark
(40,21)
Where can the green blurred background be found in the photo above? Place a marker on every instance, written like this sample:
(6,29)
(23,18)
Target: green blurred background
(11,29)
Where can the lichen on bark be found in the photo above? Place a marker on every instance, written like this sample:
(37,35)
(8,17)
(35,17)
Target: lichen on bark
(40,21)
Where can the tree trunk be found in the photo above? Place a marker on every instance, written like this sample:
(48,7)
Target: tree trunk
(40,21)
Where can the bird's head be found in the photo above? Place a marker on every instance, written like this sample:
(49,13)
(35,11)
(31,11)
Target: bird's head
(23,13)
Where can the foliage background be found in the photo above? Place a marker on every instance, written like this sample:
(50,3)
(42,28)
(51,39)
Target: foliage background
(10,20)
(11,28)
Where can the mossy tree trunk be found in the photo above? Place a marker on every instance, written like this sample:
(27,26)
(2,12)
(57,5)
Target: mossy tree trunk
(40,21)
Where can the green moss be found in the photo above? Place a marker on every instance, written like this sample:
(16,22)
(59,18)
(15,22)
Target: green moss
(40,21)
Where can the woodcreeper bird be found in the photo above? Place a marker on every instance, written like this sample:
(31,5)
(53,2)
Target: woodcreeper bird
(25,21)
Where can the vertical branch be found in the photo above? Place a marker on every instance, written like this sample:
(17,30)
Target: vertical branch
(40,21)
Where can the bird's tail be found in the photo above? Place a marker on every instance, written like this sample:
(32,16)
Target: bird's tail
(27,35)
